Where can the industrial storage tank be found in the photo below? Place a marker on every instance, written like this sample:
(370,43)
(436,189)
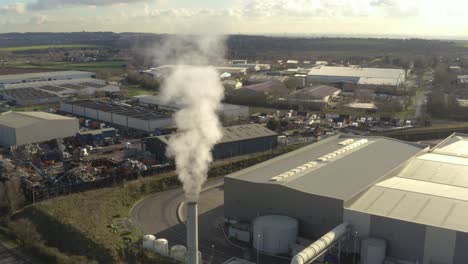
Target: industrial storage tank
(161,246)
(148,242)
(274,234)
(373,251)
(178,252)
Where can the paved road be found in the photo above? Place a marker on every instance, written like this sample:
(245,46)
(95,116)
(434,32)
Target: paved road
(157,214)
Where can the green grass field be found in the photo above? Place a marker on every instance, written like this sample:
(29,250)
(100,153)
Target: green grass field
(134,90)
(86,66)
(36,107)
(45,47)
(97,221)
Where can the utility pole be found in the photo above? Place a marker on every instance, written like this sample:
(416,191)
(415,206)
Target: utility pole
(258,248)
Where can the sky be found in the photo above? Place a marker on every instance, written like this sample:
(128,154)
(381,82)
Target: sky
(290,17)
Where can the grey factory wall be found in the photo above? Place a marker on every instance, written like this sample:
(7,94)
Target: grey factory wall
(245,200)
(405,240)
(7,136)
(47,130)
(461,249)
(242,147)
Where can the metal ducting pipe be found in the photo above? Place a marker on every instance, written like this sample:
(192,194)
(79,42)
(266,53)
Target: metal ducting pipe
(315,249)
(192,233)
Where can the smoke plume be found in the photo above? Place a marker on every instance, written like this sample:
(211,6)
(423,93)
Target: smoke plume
(196,88)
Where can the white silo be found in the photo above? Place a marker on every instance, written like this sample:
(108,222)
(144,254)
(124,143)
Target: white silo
(161,246)
(373,251)
(274,234)
(148,242)
(178,252)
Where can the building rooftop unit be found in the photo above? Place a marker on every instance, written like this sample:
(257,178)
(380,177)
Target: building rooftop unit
(236,133)
(140,113)
(357,72)
(369,106)
(431,189)
(462,79)
(338,167)
(21,119)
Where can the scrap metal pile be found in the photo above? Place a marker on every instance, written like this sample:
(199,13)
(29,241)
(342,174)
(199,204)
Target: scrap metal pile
(80,174)
(8,171)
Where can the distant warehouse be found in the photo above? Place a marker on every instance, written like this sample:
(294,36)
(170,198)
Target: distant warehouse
(67,88)
(351,78)
(237,140)
(124,116)
(226,110)
(44,76)
(19,128)
(315,97)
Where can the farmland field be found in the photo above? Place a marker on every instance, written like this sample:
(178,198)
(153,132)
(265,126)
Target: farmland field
(90,66)
(44,47)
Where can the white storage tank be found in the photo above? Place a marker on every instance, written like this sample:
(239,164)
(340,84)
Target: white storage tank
(178,252)
(274,234)
(161,246)
(148,242)
(373,251)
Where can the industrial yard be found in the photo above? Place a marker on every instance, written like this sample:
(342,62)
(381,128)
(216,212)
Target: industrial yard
(314,150)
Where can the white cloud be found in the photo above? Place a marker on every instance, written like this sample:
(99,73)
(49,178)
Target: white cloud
(17,8)
(55,4)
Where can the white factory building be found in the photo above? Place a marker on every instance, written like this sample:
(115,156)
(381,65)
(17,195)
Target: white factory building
(44,76)
(125,116)
(50,87)
(386,200)
(19,128)
(226,110)
(350,78)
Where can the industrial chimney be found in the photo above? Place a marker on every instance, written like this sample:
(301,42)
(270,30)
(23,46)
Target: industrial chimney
(192,233)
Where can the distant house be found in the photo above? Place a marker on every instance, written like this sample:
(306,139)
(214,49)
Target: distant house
(462,80)
(363,107)
(314,97)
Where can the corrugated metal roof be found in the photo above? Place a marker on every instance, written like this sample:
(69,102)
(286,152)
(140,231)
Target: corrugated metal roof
(236,133)
(357,72)
(340,177)
(22,119)
(316,92)
(432,189)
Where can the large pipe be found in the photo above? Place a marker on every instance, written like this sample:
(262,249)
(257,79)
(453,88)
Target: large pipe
(192,233)
(314,250)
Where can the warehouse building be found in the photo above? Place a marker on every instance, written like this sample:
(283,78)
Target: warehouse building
(28,96)
(44,76)
(314,97)
(351,78)
(19,128)
(405,202)
(125,116)
(227,110)
(237,140)
(67,88)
